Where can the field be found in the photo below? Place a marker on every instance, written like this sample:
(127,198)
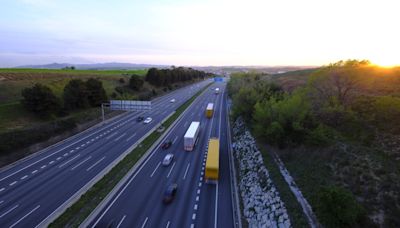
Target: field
(13,81)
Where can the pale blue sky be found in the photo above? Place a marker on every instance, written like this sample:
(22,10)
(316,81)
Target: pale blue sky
(194,32)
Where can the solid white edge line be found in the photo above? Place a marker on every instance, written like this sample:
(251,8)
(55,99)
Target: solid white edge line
(37,207)
(216,207)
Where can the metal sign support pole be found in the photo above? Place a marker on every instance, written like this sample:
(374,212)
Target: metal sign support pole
(102,111)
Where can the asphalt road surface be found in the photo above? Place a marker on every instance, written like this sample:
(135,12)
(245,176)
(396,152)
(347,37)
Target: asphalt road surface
(33,189)
(138,203)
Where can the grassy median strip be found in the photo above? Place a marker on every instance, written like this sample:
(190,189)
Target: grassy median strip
(78,212)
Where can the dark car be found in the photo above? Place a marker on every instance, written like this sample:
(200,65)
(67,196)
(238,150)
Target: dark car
(166,144)
(170,193)
(139,118)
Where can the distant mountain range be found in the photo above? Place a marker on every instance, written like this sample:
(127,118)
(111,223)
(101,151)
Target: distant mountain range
(94,66)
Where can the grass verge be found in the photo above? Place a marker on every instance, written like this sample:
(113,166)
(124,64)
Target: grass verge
(79,211)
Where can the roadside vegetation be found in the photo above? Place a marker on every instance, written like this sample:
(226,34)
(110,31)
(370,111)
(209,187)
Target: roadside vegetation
(336,129)
(38,104)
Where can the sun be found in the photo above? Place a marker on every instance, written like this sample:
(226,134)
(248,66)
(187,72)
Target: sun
(387,61)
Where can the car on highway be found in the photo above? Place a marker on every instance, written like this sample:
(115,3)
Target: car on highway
(172,100)
(147,120)
(139,118)
(167,144)
(170,193)
(168,159)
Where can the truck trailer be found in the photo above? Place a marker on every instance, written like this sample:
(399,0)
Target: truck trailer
(191,136)
(212,164)
(209,110)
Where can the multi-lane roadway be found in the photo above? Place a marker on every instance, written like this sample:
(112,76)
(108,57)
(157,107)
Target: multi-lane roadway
(34,190)
(138,203)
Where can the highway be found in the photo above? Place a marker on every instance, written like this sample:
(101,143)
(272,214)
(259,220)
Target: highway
(138,203)
(33,189)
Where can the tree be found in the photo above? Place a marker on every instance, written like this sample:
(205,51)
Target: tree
(151,76)
(284,120)
(136,82)
(75,95)
(96,92)
(40,100)
(337,82)
(244,101)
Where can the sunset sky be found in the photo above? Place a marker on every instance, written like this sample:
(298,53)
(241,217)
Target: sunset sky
(199,32)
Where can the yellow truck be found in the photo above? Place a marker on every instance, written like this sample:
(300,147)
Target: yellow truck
(212,163)
(209,110)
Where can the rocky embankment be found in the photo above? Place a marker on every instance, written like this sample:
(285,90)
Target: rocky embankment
(261,202)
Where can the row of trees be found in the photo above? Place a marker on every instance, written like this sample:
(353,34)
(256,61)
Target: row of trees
(77,94)
(165,77)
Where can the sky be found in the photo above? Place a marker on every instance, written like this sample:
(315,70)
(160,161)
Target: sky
(199,32)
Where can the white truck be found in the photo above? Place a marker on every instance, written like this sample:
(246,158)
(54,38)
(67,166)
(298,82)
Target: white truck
(191,136)
(216,90)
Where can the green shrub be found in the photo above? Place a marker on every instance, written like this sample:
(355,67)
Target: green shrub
(337,207)
(283,121)
(40,100)
(321,136)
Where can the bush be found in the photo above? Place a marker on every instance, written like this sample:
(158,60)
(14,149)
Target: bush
(136,82)
(96,92)
(321,136)
(337,207)
(75,95)
(40,100)
(11,141)
(284,121)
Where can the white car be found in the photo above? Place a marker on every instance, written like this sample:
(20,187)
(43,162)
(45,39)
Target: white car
(147,120)
(168,159)
(172,101)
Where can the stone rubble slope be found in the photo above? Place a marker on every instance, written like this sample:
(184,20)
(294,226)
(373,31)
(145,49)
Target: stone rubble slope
(262,204)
